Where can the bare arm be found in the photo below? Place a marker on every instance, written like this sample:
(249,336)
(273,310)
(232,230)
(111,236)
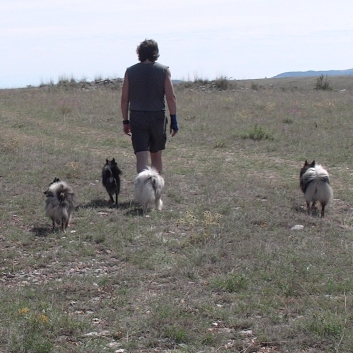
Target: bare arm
(170,97)
(125,98)
(125,104)
(169,93)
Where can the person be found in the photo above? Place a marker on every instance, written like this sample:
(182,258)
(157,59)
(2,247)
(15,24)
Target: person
(147,85)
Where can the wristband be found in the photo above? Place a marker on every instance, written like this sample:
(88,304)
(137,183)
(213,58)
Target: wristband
(126,122)
(174,122)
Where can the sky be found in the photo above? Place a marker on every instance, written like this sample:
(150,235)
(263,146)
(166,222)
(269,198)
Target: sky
(44,41)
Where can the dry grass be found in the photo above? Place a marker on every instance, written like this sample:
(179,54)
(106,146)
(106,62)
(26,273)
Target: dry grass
(219,269)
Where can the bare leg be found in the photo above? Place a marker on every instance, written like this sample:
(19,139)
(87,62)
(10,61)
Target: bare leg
(156,161)
(141,161)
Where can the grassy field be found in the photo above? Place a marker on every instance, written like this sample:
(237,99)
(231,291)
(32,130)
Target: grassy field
(220,269)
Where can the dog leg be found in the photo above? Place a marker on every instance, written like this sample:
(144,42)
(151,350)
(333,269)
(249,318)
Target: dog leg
(111,198)
(68,221)
(323,209)
(159,204)
(66,224)
(116,199)
(54,224)
(308,208)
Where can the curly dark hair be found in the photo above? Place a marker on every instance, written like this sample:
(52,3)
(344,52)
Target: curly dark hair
(148,49)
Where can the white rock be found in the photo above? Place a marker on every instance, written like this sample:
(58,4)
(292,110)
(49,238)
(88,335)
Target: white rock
(297,227)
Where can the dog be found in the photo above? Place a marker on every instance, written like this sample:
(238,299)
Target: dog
(315,184)
(111,179)
(149,185)
(59,203)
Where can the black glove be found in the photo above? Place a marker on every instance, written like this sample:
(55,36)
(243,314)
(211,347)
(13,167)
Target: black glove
(174,122)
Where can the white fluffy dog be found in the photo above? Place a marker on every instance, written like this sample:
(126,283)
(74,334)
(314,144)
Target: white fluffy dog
(149,185)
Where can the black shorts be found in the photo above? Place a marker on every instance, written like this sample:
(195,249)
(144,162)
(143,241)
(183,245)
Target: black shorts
(148,130)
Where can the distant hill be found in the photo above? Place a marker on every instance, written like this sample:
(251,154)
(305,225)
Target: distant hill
(311,73)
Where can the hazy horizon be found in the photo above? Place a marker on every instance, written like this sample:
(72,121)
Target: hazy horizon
(42,42)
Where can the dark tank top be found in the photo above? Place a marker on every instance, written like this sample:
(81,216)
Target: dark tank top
(146,86)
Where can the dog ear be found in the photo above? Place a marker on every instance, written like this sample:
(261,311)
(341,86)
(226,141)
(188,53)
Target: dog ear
(305,163)
(313,163)
(56,180)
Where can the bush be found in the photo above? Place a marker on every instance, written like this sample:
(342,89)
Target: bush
(254,86)
(257,133)
(201,81)
(322,84)
(222,83)
(67,83)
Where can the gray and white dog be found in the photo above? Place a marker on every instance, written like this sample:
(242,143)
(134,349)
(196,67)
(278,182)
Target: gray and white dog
(315,184)
(59,203)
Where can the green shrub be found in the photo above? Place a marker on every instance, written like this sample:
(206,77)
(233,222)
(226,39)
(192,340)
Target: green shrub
(257,133)
(201,81)
(322,84)
(222,83)
(254,86)
(287,121)
(231,283)
(326,325)
(67,83)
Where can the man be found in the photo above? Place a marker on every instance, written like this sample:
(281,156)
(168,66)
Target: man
(146,87)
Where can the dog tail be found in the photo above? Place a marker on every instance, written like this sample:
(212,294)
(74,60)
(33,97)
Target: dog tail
(315,173)
(159,204)
(148,188)
(59,203)
(156,185)
(60,192)
(316,185)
